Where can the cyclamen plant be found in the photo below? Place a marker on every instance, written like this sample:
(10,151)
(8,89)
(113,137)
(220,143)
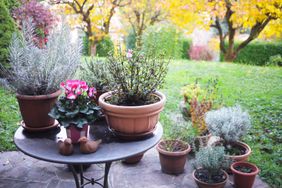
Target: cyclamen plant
(78,106)
(42,17)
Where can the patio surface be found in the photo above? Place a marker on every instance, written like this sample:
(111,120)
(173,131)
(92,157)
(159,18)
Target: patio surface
(20,171)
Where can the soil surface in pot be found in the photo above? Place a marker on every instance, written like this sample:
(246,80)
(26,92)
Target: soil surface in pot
(202,175)
(235,149)
(173,146)
(122,100)
(244,169)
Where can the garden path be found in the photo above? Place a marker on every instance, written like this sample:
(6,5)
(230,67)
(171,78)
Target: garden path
(20,171)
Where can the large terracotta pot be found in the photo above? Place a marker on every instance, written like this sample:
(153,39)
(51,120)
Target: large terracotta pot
(173,162)
(202,184)
(243,157)
(242,179)
(75,133)
(35,109)
(132,121)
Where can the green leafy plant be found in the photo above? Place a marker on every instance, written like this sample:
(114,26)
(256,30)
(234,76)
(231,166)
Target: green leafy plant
(275,60)
(39,71)
(78,106)
(95,72)
(105,46)
(212,161)
(137,76)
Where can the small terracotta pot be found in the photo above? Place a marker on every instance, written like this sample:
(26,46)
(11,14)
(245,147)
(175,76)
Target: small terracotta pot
(242,179)
(202,184)
(134,159)
(173,162)
(243,157)
(132,122)
(35,109)
(75,133)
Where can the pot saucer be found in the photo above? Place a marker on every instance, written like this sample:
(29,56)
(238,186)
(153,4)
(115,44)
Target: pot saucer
(132,137)
(37,129)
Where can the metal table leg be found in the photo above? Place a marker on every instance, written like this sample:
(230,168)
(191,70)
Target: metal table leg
(107,169)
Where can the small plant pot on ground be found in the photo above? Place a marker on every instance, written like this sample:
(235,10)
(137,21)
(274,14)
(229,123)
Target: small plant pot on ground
(202,179)
(134,159)
(75,133)
(201,141)
(35,109)
(132,122)
(244,174)
(173,155)
(243,150)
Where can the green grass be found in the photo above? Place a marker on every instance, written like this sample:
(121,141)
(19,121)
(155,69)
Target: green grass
(257,89)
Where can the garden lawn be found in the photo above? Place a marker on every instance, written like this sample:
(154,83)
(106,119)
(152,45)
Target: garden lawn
(257,89)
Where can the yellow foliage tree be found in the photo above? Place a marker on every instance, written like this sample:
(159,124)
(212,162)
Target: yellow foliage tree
(94,16)
(255,16)
(141,14)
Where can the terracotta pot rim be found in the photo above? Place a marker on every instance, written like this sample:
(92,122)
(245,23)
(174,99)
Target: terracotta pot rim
(246,146)
(39,97)
(196,179)
(109,93)
(177,153)
(257,170)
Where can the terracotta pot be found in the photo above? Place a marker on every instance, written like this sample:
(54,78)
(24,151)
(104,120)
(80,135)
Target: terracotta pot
(75,133)
(202,184)
(242,179)
(243,157)
(132,121)
(35,109)
(173,162)
(134,159)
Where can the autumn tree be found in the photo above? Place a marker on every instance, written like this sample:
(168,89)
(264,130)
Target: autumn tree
(94,16)
(142,13)
(253,16)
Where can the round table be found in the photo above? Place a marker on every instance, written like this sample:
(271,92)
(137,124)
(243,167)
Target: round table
(43,146)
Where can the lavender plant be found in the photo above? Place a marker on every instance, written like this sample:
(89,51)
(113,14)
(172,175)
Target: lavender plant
(137,76)
(39,71)
(229,123)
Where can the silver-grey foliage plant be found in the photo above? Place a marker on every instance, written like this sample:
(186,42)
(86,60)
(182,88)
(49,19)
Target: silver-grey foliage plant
(39,71)
(229,123)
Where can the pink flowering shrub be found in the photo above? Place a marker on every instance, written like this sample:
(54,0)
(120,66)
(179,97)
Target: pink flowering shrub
(41,16)
(197,52)
(78,105)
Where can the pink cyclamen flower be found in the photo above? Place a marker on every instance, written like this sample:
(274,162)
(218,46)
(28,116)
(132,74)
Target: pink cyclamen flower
(91,92)
(129,53)
(83,85)
(71,96)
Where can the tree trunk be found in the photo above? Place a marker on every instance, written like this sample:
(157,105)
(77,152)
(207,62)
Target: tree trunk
(93,48)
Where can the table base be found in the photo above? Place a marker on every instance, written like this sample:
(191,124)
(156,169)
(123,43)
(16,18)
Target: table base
(79,178)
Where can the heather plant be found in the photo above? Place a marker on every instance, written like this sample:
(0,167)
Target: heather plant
(211,159)
(95,72)
(197,52)
(137,76)
(42,17)
(229,123)
(39,71)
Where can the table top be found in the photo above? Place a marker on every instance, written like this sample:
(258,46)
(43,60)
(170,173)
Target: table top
(44,145)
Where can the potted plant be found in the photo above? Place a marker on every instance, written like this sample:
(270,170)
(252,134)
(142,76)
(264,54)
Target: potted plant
(35,73)
(95,72)
(133,106)
(209,163)
(173,150)
(244,174)
(230,124)
(76,109)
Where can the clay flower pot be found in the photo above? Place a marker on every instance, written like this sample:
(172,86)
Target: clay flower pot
(173,162)
(75,133)
(134,159)
(35,109)
(243,157)
(202,184)
(244,179)
(132,122)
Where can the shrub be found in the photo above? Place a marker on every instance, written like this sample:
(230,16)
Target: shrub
(7,28)
(229,123)
(137,76)
(275,60)
(131,40)
(197,52)
(42,17)
(39,71)
(165,40)
(85,41)
(105,46)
